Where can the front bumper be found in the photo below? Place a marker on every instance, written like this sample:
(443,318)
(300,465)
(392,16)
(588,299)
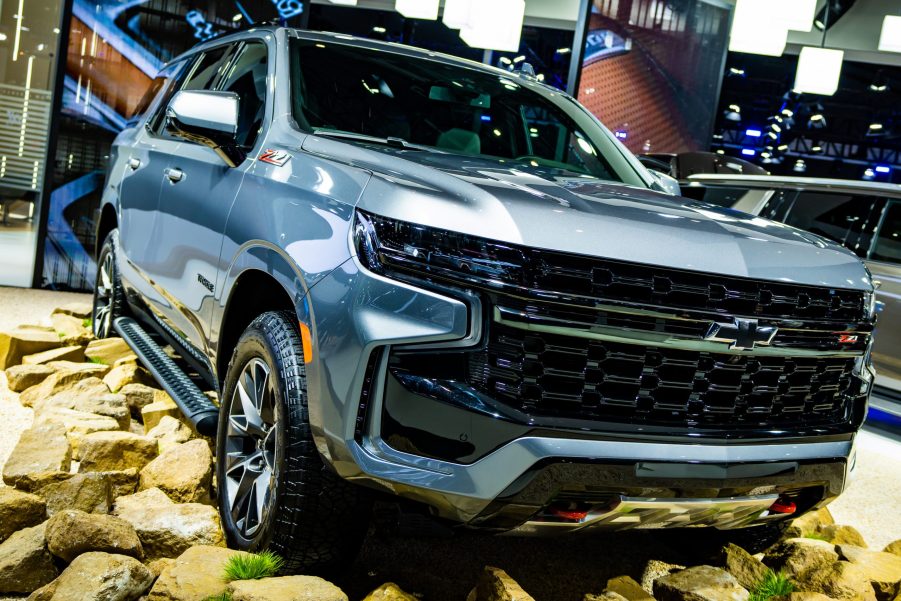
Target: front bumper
(357,317)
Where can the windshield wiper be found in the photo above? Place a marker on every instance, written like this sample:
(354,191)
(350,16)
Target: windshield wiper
(350,136)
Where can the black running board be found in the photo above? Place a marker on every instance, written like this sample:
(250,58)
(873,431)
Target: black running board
(197,407)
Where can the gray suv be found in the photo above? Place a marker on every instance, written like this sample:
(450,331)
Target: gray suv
(417,277)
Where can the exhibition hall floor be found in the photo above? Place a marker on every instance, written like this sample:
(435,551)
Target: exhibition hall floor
(548,568)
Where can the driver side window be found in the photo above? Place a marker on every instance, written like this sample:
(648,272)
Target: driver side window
(247,77)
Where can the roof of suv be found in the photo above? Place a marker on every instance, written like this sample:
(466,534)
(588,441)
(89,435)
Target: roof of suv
(798,183)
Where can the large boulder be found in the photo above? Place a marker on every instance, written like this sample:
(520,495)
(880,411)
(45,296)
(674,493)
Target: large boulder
(496,585)
(747,569)
(71,327)
(170,432)
(19,510)
(605,596)
(184,472)
(883,570)
(107,350)
(700,583)
(91,493)
(152,414)
(78,424)
(25,562)
(627,587)
(100,577)
(138,396)
(841,580)
(75,309)
(842,535)
(894,548)
(809,523)
(389,592)
(797,556)
(63,353)
(22,341)
(167,529)
(63,381)
(89,395)
(127,373)
(108,451)
(71,533)
(41,456)
(97,370)
(286,588)
(195,575)
(22,377)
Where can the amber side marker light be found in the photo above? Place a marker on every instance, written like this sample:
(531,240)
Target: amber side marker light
(306,339)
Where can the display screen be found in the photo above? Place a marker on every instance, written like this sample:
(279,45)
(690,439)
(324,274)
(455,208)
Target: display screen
(651,70)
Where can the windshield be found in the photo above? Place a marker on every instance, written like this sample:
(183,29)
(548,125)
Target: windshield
(342,88)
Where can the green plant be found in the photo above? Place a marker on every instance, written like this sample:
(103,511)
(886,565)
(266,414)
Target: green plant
(226,596)
(252,566)
(86,323)
(774,584)
(816,536)
(60,334)
(96,360)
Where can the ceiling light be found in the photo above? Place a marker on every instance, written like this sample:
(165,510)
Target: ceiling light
(721,151)
(800,166)
(736,72)
(733,113)
(788,112)
(832,11)
(237,17)
(875,126)
(883,169)
(495,25)
(869,174)
(378,29)
(890,38)
(798,14)
(816,149)
(782,147)
(753,133)
(776,128)
(418,9)
(748,152)
(456,13)
(819,70)
(878,87)
(753,30)
(2,37)
(563,50)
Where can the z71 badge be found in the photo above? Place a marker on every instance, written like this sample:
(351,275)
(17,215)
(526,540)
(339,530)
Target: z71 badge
(275,157)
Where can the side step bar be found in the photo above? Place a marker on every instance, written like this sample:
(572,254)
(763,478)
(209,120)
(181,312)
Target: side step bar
(196,406)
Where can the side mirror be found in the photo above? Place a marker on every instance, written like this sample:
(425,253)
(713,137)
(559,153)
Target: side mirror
(208,118)
(665,183)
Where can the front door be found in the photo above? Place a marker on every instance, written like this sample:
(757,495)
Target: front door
(885,265)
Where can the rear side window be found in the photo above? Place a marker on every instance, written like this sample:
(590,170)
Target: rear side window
(888,242)
(844,218)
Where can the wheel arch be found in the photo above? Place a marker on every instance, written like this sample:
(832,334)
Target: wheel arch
(108,222)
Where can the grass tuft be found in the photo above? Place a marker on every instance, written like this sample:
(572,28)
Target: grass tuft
(86,323)
(226,596)
(96,360)
(816,536)
(253,566)
(774,584)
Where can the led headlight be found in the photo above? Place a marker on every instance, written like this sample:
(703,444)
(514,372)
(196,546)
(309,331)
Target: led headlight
(387,245)
(869,305)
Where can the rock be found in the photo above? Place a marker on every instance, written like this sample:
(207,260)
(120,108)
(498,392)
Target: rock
(389,592)
(21,377)
(126,360)
(894,548)
(19,510)
(125,374)
(286,588)
(797,556)
(801,596)
(840,580)
(97,370)
(655,569)
(809,523)
(123,482)
(747,569)
(167,529)
(700,583)
(138,396)
(25,562)
(152,414)
(496,585)
(170,432)
(102,577)
(195,575)
(107,351)
(108,451)
(62,381)
(842,535)
(78,424)
(605,596)
(70,326)
(91,493)
(90,396)
(40,457)
(79,310)
(71,533)
(63,353)
(45,593)
(158,566)
(184,472)
(627,587)
(883,570)
(23,341)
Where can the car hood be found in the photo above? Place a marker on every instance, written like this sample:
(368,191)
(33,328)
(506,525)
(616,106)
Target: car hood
(559,210)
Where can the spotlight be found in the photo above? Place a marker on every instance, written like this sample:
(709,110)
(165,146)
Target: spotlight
(816,121)
(875,127)
(800,166)
(782,147)
(237,17)
(816,149)
(831,13)
(734,72)
(733,113)
(869,174)
(378,29)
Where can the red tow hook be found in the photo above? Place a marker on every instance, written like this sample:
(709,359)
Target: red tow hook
(783,506)
(569,514)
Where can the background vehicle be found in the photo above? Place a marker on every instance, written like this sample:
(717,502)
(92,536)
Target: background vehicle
(449,283)
(865,217)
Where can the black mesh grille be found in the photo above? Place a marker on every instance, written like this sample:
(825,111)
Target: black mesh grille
(580,378)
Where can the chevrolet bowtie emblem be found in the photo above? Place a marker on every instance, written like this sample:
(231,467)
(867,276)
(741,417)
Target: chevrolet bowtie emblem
(742,334)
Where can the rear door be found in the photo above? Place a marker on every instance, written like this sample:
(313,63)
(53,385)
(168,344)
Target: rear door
(885,265)
(197,197)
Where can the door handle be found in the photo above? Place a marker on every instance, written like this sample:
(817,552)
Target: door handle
(174,175)
(134,163)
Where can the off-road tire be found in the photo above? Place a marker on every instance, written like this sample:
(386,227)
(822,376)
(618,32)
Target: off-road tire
(108,294)
(318,520)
